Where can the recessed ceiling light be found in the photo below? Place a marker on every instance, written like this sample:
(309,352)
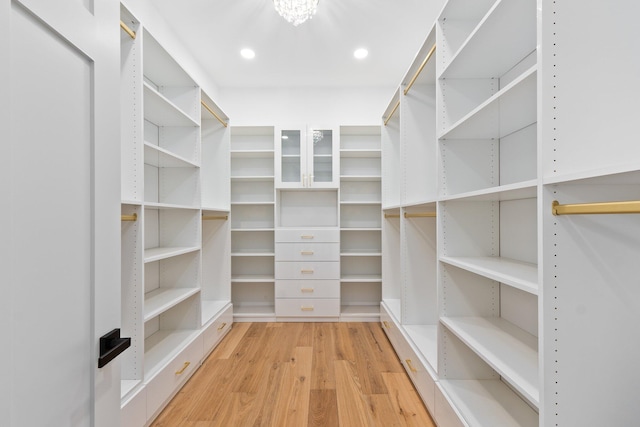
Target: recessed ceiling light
(247,53)
(360,53)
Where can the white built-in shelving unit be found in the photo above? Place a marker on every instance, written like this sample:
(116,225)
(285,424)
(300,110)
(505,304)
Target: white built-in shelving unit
(176,301)
(253,223)
(360,223)
(512,310)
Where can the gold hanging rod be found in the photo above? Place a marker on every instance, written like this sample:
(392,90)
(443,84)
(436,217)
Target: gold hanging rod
(127,30)
(596,208)
(215,217)
(392,112)
(133,217)
(204,104)
(392,215)
(420,215)
(415,76)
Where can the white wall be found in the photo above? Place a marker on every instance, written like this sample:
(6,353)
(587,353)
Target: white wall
(323,106)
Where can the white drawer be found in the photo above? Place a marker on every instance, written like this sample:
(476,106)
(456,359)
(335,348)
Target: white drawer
(307,251)
(308,289)
(391,329)
(420,376)
(217,329)
(167,382)
(134,410)
(307,270)
(307,235)
(445,415)
(308,307)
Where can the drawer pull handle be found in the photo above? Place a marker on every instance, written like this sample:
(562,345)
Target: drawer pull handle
(386,324)
(304,308)
(184,368)
(221,327)
(306,290)
(307,236)
(410,365)
(306,252)
(307,271)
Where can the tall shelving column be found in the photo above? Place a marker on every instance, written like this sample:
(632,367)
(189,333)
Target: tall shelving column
(216,232)
(132,185)
(391,193)
(591,299)
(252,223)
(487,211)
(360,223)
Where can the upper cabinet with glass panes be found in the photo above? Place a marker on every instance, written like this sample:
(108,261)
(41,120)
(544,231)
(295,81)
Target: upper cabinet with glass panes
(307,157)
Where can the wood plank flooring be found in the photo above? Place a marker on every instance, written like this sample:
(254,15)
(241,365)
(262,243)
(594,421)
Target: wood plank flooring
(299,374)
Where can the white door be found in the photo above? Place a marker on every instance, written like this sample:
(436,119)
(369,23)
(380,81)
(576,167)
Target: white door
(59,220)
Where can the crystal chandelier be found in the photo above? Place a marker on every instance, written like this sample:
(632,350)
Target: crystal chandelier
(296,11)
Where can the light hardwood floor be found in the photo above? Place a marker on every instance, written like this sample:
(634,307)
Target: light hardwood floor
(299,374)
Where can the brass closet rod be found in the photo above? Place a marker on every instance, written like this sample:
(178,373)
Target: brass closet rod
(392,112)
(424,63)
(392,215)
(215,217)
(420,215)
(133,217)
(127,30)
(629,207)
(204,104)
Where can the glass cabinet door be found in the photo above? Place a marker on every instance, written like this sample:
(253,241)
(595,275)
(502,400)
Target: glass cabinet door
(323,157)
(291,157)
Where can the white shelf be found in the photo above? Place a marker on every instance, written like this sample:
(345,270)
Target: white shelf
(157,254)
(371,178)
(253,279)
(209,209)
(357,278)
(162,158)
(361,253)
(623,174)
(253,254)
(156,205)
(254,311)
(360,229)
(489,403)
(425,338)
(487,121)
(518,274)
(211,308)
(347,311)
(491,49)
(511,351)
(516,191)
(378,202)
(162,112)
(251,178)
(162,346)
(253,203)
(131,202)
(251,153)
(251,230)
(355,152)
(126,386)
(160,300)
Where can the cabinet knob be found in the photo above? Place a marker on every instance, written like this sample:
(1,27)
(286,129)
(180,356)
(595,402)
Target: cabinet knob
(306,252)
(221,327)
(307,236)
(305,308)
(386,324)
(306,271)
(306,290)
(184,368)
(410,365)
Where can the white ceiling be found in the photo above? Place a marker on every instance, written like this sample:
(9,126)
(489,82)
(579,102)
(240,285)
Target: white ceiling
(318,53)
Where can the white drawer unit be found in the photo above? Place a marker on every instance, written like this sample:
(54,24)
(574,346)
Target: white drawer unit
(308,251)
(320,307)
(308,289)
(168,381)
(307,270)
(134,409)
(217,329)
(307,235)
